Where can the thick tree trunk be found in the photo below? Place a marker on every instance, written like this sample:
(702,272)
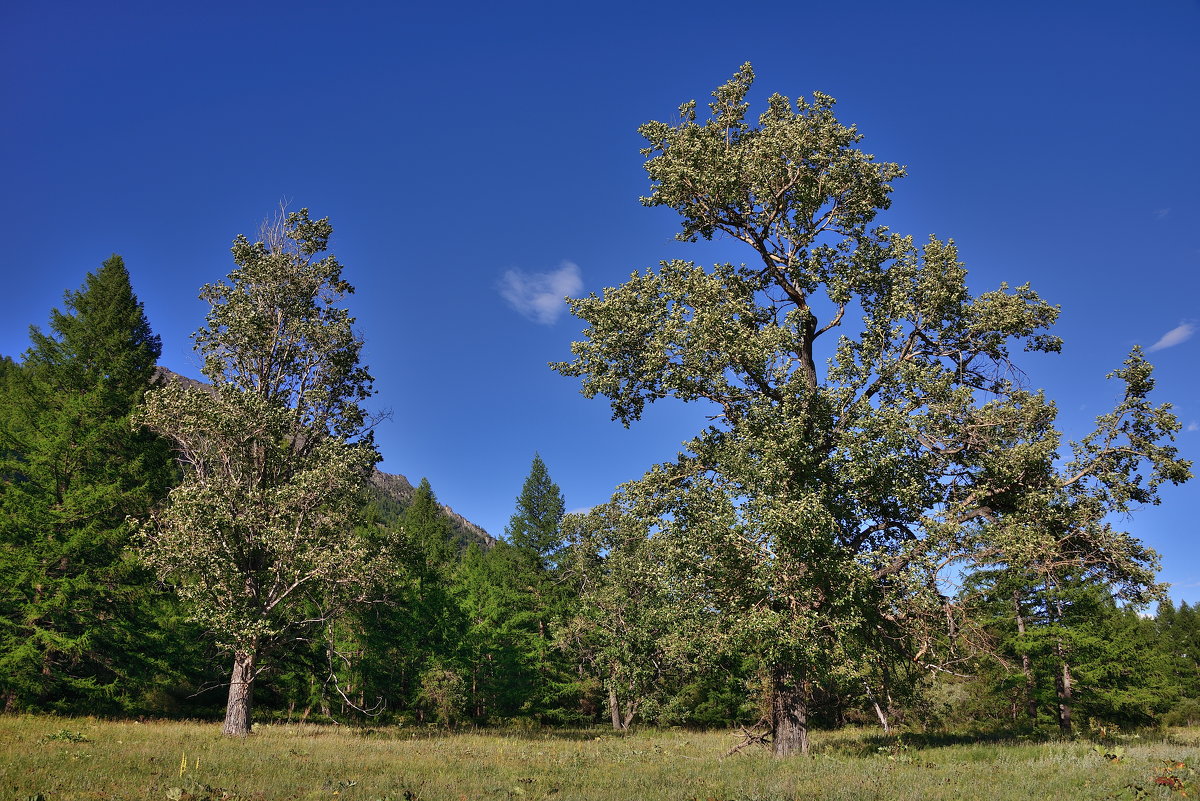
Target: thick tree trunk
(789,716)
(241,695)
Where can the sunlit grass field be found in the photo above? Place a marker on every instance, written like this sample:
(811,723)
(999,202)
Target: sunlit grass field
(78,758)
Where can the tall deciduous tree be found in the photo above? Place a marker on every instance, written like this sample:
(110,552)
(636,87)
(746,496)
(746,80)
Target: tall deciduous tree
(258,539)
(76,622)
(844,469)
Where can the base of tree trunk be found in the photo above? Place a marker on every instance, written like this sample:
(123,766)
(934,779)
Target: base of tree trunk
(614,710)
(241,696)
(789,720)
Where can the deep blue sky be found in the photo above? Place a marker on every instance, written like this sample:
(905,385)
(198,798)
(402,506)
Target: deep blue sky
(453,144)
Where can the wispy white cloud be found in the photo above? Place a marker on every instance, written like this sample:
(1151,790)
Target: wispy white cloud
(1193,426)
(1161,213)
(1177,335)
(539,296)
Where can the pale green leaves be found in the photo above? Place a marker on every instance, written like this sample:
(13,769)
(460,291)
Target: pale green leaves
(259,536)
(783,184)
(822,507)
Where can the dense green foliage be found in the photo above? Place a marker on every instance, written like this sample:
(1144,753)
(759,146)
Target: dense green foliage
(790,568)
(257,539)
(534,526)
(870,438)
(82,625)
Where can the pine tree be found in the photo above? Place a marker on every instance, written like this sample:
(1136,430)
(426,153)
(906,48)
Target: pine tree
(518,603)
(427,531)
(496,603)
(535,523)
(417,625)
(1066,648)
(1177,634)
(77,628)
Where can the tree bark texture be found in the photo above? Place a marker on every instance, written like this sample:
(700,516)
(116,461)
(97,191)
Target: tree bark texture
(241,695)
(789,717)
(614,709)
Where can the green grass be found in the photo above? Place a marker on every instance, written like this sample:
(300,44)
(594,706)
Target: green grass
(63,759)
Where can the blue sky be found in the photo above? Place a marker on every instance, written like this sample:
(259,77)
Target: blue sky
(478,161)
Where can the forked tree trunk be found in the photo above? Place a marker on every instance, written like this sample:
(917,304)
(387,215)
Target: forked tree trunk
(789,716)
(621,719)
(879,711)
(241,695)
(627,717)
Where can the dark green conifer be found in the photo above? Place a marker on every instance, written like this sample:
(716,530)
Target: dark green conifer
(535,523)
(77,627)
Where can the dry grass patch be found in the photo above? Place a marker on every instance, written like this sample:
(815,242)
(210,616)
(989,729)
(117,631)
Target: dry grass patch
(66,759)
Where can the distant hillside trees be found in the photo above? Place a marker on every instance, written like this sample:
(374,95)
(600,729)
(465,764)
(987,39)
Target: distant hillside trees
(79,616)
(258,539)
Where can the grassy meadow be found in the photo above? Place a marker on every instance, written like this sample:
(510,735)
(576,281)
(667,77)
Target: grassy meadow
(61,759)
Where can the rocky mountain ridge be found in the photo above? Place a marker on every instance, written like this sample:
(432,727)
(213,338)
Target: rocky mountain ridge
(399,489)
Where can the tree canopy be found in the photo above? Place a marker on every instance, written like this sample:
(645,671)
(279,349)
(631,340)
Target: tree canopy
(258,538)
(871,437)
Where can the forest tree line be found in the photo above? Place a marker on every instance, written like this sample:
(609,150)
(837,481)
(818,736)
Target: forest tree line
(877,524)
(464,633)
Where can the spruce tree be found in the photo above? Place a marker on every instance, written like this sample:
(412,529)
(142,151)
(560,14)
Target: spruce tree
(535,523)
(76,611)
(518,604)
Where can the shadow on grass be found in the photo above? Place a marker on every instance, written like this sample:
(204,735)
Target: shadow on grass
(862,746)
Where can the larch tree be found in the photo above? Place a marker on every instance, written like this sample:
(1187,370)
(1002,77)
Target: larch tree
(77,621)
(870,437)
(258,539)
